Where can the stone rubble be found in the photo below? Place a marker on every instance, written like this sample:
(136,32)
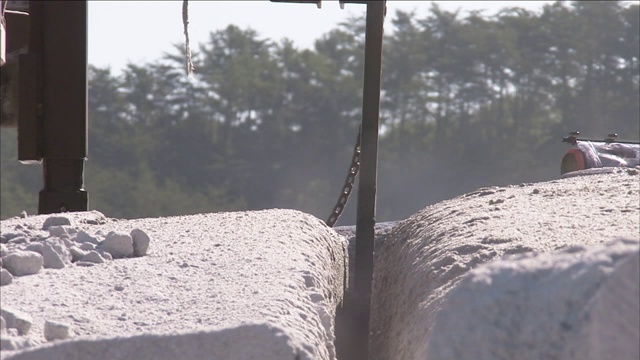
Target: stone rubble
(17,320)
(56,331)
(118,244)
(56,245)
(55,221)
(140,242)
(22,263)
(220,273)
(5,277)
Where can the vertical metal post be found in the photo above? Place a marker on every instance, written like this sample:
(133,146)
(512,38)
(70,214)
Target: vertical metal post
(366,210)
(58,69)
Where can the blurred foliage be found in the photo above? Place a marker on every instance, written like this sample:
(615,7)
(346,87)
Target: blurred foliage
(467,102)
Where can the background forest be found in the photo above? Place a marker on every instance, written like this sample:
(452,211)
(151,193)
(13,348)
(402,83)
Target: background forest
(468,102)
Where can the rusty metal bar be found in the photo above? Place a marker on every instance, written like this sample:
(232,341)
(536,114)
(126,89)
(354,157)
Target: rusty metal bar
(57,62)
(366,210)
(28,73)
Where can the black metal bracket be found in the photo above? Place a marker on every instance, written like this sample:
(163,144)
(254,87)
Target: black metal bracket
(317,2)
(359,304)
(52,125)
(611,138)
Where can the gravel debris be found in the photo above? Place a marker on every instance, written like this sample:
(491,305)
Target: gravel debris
(59,244)
(11,343)
(118,244)
(93,257)
(56,330)
(140,242)
(55,254)
(21,263)
(5,277)
(55,221)
(17,320)
(83,237)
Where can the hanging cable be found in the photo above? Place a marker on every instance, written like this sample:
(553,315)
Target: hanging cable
(187,48)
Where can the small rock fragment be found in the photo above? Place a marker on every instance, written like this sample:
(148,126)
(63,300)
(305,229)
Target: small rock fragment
(87,246)
(96,218)
(104,254)
(76,253)
(55,221)
(118,244)
(83,237)
(21,263)
(84,263)
(11,343)
(93,257)
(67,243)
(56,331)
(35,247)
(16,319)
(24,214)
(5,277)
(140,242)
(19,240)
(55,254)
(57,231)
(9,235)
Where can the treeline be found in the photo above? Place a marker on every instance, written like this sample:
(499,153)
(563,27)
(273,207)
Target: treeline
(468,101)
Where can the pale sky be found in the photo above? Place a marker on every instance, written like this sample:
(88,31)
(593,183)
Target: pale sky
(141,31)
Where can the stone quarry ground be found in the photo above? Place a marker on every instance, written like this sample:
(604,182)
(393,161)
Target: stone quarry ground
(531,271)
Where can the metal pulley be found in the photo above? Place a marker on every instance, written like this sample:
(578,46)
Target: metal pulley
(595,153)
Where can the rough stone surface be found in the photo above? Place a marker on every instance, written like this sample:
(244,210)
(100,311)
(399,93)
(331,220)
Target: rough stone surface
(245,342)
(594,312)
(118,244)
(55,221)
(18,240)
(76,253)
(57,231)
(56,330)
(105,255)
(70,230)
(8,235)
(140,242)
(425,256)
(67,243)
(9,342)
(93,257)
(35,247)
(220,271)
(87,246)
(3,250)
(84,263)
(55,254)
(16,319)
(83,237)
(21,263)
(5,277)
